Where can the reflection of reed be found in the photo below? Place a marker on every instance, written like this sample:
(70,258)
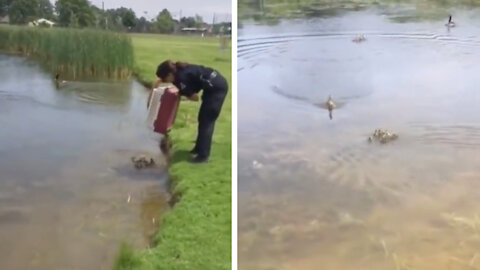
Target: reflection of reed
(152,207)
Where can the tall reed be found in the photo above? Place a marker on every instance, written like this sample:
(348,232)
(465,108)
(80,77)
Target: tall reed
(72,52)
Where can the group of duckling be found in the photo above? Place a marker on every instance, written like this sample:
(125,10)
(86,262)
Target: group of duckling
(362,38)
(382,136)
(142,161)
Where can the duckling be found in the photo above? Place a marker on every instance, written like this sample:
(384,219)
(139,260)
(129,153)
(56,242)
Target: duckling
(257,165)
(450,22)
(142,161)
(383,136)
(330,106)
(359,38)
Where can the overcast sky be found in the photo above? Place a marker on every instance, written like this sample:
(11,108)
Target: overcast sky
(205,8)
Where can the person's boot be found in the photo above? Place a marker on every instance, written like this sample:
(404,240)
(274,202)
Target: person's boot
(199,159)
(193,153)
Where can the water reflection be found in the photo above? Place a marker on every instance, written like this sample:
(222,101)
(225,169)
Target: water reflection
(97,92)
(272,12)
(69,194)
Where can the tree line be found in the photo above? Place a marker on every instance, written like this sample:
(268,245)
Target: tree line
(82,14)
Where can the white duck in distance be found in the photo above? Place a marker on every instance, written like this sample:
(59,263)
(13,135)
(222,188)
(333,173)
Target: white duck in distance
(450,22)
(330,106)
(359,38)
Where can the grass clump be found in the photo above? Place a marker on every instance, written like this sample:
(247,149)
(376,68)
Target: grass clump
(126,258)
(74,53)
(196,233)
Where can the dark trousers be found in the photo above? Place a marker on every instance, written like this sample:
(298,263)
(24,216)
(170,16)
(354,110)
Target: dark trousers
(212,102)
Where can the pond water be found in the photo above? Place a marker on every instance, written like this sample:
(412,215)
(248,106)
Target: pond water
(69,194)
(313,193)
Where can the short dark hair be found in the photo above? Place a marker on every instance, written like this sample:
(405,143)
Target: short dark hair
(167,67)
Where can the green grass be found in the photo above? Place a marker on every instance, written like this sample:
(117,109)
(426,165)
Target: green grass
(73,53)
(196,233)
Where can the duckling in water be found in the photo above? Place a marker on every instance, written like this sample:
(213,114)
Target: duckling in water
(359,39)
(383,136)
(143,161)
(330,106)
(450,22)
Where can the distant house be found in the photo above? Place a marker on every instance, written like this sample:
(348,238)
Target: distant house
(41,22)
(194,30)
(4,20)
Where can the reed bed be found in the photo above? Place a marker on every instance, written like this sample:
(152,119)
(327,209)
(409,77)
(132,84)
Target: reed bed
(73,53)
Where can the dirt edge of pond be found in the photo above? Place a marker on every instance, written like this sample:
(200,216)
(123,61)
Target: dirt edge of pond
(166,146)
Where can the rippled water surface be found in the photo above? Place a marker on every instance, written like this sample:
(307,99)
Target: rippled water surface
(313,193)
(69,194)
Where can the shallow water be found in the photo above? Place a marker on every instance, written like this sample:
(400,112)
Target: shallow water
(69,194)
(313,193)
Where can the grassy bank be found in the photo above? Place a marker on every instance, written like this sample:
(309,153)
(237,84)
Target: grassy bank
(269,11)
(73,53)
(196,233)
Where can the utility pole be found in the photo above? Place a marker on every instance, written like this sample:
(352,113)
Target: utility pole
(261,5)
(213,24)
(105,15)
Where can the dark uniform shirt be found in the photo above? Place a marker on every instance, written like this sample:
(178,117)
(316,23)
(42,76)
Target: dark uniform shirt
(193,78)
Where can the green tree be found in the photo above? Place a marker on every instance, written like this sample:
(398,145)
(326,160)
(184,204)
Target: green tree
(129,19)
(199,21)
(23,11)
(45,9)
(164,23)
(99,16)
(73,21)
(4,4)
(187,22)
(118,19)
(80,9)
(143,25)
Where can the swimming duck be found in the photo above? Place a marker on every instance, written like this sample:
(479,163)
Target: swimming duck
(359,39)
(58,82)
(450,22)
(330,106)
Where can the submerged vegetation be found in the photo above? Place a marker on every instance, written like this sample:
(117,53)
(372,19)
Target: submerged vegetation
(73,53)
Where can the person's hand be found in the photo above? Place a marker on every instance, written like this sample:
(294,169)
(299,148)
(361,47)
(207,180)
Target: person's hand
(173,90)
(194,97)
(157,83)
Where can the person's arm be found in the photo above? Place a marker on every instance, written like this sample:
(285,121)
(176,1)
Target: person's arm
(186,87)
(194,97)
